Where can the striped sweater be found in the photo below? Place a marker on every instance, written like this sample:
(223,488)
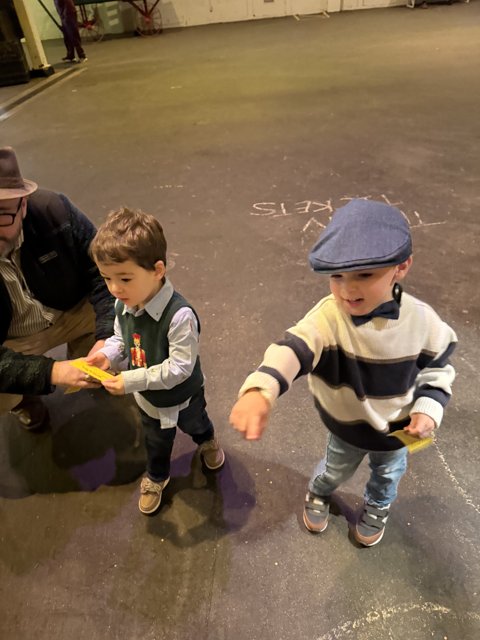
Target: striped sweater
(366,380)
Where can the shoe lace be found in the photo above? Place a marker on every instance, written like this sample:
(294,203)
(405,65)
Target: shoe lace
(148,486)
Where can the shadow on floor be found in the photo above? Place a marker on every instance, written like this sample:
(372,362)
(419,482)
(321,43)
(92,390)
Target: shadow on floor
(93,440)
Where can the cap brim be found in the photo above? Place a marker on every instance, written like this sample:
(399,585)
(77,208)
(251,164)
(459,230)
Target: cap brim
(334,270)
(399,255)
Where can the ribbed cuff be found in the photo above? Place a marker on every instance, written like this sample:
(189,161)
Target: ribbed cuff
(430,407)
(265,383)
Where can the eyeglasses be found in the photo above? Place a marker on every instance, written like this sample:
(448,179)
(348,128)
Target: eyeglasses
(7,219)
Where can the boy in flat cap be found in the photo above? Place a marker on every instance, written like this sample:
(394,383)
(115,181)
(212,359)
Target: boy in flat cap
(377,361)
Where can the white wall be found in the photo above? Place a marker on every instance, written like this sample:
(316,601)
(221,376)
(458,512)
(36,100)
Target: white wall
(46,28)
(118,16)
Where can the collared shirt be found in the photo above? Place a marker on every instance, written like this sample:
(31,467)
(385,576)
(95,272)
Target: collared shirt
(29,316)
(183,336)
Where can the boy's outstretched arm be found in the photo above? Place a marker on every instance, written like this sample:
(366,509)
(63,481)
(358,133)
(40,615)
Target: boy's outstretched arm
(283,362)
(250,414)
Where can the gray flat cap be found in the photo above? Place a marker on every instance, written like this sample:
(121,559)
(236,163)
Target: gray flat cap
(363,234)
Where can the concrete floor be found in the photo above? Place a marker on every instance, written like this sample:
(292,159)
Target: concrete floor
(200,126)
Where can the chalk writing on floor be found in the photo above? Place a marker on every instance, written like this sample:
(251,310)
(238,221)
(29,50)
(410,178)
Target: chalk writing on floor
(470,501)
(380,621)
(320,212)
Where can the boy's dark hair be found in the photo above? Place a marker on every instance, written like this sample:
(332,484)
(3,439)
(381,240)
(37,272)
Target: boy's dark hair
(130,235)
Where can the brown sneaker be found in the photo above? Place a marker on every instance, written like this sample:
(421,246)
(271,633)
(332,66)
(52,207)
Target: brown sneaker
(151,495)
(212,454)
(31,413)
(370,528)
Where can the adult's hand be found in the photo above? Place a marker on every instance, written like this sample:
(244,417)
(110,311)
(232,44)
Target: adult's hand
(64,374)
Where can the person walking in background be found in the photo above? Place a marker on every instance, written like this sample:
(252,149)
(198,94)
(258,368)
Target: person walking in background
(71,35)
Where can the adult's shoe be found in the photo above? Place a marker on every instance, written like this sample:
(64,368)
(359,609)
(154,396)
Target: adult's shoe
(31,413)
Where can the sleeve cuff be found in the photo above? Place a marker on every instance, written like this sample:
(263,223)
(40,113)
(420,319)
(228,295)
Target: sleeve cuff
(265,383)
(134,380)
(114,357)
(430,407)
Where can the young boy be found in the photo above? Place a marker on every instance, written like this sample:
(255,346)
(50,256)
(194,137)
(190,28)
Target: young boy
(158,331)
(377,362)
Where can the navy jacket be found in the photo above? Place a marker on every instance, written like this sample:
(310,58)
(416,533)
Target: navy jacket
(57,266)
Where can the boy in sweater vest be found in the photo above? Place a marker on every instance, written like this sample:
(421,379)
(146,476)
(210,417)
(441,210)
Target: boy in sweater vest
(377,361)
(157,332)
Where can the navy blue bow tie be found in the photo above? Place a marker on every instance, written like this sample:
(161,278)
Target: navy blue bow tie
(390,309)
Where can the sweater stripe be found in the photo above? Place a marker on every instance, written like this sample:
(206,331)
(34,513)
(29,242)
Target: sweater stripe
(441,396)
(361,434)
(444,359)
(278,377)
(302,351)
(378,412)
(369,378)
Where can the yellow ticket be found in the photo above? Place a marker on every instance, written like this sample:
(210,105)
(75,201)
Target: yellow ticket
(93,372)
(412,443)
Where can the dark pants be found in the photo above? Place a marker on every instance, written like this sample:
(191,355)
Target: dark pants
(71,35)
(193,420)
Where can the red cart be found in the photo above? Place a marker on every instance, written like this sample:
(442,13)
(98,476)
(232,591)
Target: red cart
(148,18)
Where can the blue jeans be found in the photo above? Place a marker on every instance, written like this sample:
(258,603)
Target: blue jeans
(342,460)
(193,420)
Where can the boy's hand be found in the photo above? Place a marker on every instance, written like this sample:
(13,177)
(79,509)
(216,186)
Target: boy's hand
(250,415)
(115,386)
(98,359)
(420,425)
(98,345)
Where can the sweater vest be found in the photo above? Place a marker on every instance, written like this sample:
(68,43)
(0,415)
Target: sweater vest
(146,343)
